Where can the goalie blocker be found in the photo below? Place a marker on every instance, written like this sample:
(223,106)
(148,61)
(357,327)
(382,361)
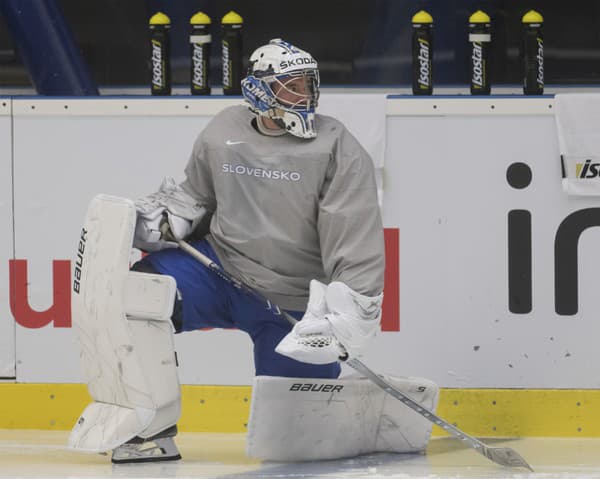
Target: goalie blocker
(315,419)
(123,326)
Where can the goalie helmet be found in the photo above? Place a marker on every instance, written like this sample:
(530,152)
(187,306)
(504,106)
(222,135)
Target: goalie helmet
(283,84)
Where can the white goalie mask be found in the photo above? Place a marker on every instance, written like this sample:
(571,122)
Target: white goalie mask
(283,84)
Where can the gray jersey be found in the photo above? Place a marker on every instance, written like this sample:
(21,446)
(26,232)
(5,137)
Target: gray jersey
(286,209)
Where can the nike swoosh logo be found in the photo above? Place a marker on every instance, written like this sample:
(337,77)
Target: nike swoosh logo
(229,142)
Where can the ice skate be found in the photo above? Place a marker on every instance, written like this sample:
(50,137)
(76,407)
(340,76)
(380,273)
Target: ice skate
(160,447)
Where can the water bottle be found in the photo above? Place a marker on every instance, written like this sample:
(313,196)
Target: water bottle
(160,54)
(200,41)
(231,43)
(422,53)
(532,53)
(479,38)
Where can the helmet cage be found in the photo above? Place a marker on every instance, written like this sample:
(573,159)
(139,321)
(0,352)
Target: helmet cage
(289,96)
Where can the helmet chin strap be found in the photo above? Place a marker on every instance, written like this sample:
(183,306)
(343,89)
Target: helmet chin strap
(290,122)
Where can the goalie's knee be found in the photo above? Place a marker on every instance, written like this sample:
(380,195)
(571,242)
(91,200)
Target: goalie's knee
(177,316)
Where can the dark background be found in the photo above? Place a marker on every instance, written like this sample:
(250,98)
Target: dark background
(356,42)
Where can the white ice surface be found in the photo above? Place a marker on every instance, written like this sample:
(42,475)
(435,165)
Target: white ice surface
(43,454)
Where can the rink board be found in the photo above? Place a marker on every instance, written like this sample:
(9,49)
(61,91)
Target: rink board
(122,147)
(445,193)
(480,412)
(7,324)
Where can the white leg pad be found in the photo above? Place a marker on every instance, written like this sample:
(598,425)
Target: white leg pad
(316,419)
(122,321)
(103,427)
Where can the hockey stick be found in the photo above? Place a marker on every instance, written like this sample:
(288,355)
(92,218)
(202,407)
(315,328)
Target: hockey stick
(505,456)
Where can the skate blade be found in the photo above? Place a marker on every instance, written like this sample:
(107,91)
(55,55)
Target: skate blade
(157,450)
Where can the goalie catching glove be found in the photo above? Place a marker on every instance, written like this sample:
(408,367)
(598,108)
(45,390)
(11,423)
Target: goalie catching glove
(338,324)
(165,217)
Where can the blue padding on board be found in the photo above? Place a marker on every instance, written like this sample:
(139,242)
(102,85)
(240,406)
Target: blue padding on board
(47,47)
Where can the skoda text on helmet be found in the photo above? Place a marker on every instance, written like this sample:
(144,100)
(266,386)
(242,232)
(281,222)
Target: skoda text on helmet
(283,85)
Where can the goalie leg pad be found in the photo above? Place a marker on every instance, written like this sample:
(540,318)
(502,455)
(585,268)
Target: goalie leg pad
(122,322)
(316,419)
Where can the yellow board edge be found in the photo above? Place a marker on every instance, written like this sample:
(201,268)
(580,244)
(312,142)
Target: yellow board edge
(225,409)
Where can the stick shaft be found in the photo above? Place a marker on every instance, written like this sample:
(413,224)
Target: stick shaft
(406,400)
(237,283)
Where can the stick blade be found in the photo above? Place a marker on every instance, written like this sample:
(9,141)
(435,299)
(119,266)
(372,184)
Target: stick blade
(505,456)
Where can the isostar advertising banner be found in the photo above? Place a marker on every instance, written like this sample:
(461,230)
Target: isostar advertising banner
(498,266)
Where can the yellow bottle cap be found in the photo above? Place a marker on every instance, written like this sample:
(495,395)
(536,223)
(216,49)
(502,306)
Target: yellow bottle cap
(200,18)
(160,19)
(479,17)
(232,18)
(532,17)
(422,17)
